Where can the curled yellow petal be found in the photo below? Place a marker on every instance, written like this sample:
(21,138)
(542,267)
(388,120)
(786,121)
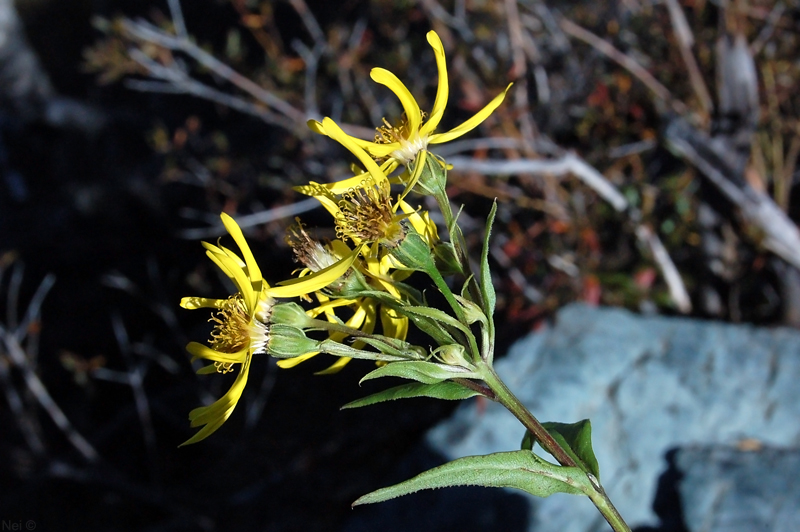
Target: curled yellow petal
(335,132)
(199,350)
(442,89)
(287,363)
(410,105)
(336,367)
(316,127)
(215,414)
(472,123)
(236,232)
(193,303)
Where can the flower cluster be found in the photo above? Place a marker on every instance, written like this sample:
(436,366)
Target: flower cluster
(357,303)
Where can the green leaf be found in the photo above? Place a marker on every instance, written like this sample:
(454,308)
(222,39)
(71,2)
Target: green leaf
(448,390)
(435,314)
(516,469)
(433,329)
(576,439)
(421,371)
(487,288)
(527,441)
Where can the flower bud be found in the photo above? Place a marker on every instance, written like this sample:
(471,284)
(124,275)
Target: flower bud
(291,314)
(413,253)
(452,355)
(286,341)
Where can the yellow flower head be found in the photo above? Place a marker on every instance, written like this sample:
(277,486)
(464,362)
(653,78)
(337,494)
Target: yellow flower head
(366,214)
(241,328)
(407,141)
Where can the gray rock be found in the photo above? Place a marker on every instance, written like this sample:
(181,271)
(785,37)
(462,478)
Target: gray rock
(727,490)
(648,384)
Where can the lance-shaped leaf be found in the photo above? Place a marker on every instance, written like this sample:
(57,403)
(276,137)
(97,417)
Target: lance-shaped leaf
(487,288)
(515,469)
(447,390)
(435,314)
(421,371)
(575,439)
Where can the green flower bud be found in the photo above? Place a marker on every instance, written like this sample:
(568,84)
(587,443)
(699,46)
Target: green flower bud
(351,286)
(452,355)
(286,341)
(413,253)
(291,314)
(433,177)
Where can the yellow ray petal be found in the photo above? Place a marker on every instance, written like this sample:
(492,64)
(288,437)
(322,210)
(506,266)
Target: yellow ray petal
(441,91)
(336,133)
(199,350)
(336,367)
(236,232)
(410,105)
(472,123)
(287,363)
(214,415)
(242,282)
(315,281)
(316,127)
(193,303)
(330,305)
(419,164)
(394,326)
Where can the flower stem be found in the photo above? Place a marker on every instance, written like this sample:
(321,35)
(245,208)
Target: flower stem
(506,397)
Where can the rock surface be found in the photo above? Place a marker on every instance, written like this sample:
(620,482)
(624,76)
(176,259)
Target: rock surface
(648,384)
(729,490)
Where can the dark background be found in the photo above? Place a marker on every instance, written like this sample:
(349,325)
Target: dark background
(100,203)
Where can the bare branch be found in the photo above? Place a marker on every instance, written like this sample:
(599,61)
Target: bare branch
(628,63)
(177,19)
(146,32)
(677,290)
(35,385)
(258,218)
(685,40)
(572,164)
(568,164)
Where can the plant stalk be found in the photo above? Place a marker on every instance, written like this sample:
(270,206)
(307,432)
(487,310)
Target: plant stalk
(506,397)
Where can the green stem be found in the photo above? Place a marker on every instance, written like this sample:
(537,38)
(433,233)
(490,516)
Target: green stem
(506,397)
(606,507)
(441,284)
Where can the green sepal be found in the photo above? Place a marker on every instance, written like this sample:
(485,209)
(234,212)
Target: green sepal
(413,253)
(576,440)
(207,370)
(447,390)
(332,347)
(433,176)
(290,314)
(394,347)
(287,341)
(522,470)
(420,371)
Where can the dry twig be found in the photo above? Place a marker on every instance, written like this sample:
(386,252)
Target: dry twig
(572,164)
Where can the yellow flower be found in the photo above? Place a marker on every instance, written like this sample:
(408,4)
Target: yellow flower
(242,321)
(407,141)
(241,330)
